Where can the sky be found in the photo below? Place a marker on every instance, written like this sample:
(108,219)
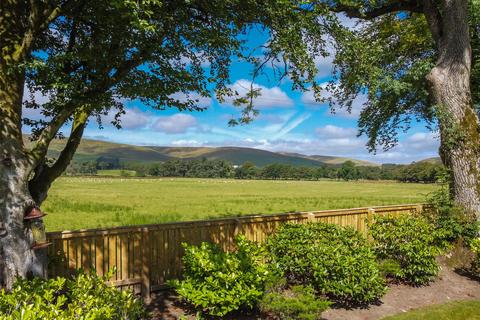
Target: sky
(289,121)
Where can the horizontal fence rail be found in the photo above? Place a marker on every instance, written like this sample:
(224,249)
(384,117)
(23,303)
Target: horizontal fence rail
(145,257)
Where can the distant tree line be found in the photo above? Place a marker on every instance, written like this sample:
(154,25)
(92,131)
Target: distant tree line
(425,172)
(416,172)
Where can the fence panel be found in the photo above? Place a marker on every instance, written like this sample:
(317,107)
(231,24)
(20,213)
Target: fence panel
(145,257)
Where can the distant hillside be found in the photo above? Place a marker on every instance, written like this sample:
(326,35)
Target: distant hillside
(336,160)
(435,160)
(91,150)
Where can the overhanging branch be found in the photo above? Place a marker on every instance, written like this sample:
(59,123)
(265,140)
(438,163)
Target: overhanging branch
(45,175)
(39,150)
(392,7)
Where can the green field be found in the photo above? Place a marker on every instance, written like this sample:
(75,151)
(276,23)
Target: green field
(116,173)
(76,203)
(457,310)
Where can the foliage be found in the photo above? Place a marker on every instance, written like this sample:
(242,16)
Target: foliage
(348,171)
(451,220)
(391,56)
(220,282)
(389,267)
(203,168)
(409,240)
(295,303)
(475,247)
(83,297)
(337,261)
(87,168)
(384,62)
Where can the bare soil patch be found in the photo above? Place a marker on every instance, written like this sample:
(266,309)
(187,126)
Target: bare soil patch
(449,286)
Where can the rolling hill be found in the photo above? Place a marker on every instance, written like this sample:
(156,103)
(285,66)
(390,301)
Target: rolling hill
(91,150)
(336,160)
(435,160)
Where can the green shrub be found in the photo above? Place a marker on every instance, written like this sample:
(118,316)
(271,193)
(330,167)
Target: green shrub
(409,240)
(475,246)
(220,282)
(295,303)
(84,297)
(389,268)
(337,261)
(451,221)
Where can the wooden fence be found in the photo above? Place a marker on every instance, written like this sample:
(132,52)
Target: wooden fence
(145,257)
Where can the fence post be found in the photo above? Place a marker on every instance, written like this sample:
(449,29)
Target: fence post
(419,208)
(311,217)
(146,288)
(370,217)
(238,228)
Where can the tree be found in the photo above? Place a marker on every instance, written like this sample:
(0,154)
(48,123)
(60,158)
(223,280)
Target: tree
(414,60)
(348,171)
(87,57)
(247,170)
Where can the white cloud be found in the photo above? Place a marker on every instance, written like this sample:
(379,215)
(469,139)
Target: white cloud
(331,131)
(186,143)
(291,124)
(422,141)
(358,104)
(132,119)
(337,141)
(203,102)
(347,22)
(273,97)
(175,124)
(309,100)
(201,56)
(39,98)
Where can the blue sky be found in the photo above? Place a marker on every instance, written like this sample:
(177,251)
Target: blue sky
(289,121)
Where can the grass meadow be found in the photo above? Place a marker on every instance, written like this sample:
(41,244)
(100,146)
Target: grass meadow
(91,202)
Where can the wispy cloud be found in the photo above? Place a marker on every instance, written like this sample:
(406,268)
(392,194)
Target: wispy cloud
(270,97)
(290,125)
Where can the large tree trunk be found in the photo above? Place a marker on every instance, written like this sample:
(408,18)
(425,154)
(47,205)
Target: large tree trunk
(449,82)
(17,259)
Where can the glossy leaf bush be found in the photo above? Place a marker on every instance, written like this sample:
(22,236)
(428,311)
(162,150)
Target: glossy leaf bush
(219,282)
(83,297)
(337,261)
(411,242)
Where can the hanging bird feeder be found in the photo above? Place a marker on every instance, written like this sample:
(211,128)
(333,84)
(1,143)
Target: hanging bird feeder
(34,216)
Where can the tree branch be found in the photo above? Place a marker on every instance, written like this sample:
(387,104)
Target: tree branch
(45,175)
(392,7)
(434,19)
(39,150)
(39,20)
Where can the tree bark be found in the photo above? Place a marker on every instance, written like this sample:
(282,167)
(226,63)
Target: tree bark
(449,83)
(17,259)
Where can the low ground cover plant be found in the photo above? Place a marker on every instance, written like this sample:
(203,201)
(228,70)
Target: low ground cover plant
(83,297)
(409,241)
(337,261)
(451,221)
(219,282)
(295,303)
(475,247)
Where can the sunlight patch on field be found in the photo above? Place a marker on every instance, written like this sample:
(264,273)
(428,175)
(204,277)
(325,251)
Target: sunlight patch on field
(90,202)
